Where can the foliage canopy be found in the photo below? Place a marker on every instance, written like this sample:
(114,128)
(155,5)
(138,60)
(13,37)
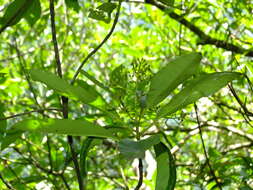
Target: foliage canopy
(153,94)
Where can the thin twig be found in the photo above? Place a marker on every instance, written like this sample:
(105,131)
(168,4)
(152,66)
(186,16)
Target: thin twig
(29,112)
(64,99)
(204,148)
(100,45)
(8,185)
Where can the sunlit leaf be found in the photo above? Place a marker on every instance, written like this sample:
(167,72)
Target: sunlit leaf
(131,149)
(63,126)
(166,169)
(169,77)
(202,86)
(62,87)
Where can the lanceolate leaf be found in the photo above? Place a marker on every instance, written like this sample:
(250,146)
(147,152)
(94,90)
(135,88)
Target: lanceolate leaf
(18,9)
(202,86)
(169,77)
(63,126)
(166,169)
(61,86)
(136,149)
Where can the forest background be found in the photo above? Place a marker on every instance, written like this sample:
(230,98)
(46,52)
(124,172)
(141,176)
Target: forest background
(126,94)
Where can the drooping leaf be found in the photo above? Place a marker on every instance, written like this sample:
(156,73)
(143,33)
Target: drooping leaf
(202,86)
(83,155)
(166,169)
(73,4)
(169,77)
(21,8)
(33,13)
(63,126)
(136,149)
(62,87)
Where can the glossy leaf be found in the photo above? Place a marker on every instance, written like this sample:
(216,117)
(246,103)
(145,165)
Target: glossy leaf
(169,77)
(63,126)
(202,86)
(136,149)
(73,4)
(19,9)
(166,169)
(61,86)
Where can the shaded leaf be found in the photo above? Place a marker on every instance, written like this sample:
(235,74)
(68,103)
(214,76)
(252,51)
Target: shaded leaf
(167,2)
(202,86)
(107,7)
(136,149)
(166,169)
(83,155)
(9,138)
(99,15)
(33,13)
(3,123)
(62,87)
(73,4)
(63,126)
(169,77)
(19,9)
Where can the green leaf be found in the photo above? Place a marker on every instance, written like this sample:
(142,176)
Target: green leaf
(10,137)
(167,2)
(107,7)
(136,149)
(202,86)
(83,155)
(166,169)
(85,94)
(3,123)
(99,15)
(33,13)
(169,77)
(103,12)
(63,126)
(2,78)
(19,9)
(73,4)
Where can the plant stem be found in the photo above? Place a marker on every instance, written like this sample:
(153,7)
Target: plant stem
(100,45)
(204,148)
(64,99)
